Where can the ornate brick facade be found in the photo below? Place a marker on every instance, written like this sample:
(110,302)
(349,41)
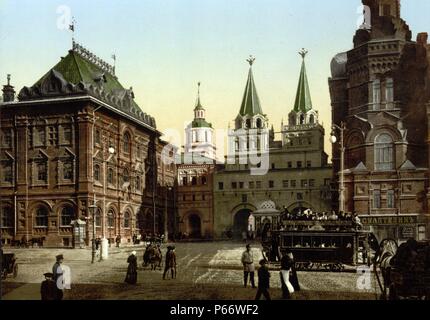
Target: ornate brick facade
(379,90)
(73,138)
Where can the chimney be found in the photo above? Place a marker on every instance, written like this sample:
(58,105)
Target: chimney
(8,91)
(422,38)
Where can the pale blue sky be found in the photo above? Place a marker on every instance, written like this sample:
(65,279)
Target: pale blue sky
(164,47)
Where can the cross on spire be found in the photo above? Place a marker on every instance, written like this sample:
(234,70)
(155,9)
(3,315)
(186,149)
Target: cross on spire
(250,60)
(303,53)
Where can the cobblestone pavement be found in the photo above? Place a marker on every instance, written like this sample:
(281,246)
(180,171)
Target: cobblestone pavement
(205,271)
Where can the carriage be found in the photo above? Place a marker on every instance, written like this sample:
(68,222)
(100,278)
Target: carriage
(403,276)
(320,245)
(8,265)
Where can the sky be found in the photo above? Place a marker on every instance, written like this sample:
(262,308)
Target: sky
(165,47)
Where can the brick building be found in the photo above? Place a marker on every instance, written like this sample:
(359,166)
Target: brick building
(380,93)
(77,136)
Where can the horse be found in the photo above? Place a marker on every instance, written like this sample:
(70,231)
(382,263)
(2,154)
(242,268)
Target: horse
(383,258)
(153,257)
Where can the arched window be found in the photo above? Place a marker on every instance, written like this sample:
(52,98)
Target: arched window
(97,172)
(302,119)
(204,180)
(384,152)
(194,181)
(127,220)
(125,176)
(110,176)
(248,123)
(111,219)
(67,214)
(259,124)
(99,217)
(41,217)
(6,217)
(126,143)
(311,119)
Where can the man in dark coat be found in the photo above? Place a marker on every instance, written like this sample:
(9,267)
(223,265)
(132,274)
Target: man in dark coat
(263,281)
(170,262)
(57,275)
(48,289)
(118,240)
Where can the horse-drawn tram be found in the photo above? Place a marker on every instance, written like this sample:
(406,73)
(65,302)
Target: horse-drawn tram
(327,245)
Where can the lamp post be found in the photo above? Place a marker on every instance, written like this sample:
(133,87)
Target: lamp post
(104,242)
(166,215)
(333,139)
(93,207)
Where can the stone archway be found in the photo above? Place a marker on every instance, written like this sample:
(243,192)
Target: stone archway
(194,226)
(241,221)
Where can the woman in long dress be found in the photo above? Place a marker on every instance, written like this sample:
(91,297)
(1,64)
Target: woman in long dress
(285,274)
(131,277)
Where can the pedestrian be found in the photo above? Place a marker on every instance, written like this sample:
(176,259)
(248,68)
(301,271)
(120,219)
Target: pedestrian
(131,277)
(285,274)
(48,288)
(57,276)
(248,266)
(118,240)
(263,281)
(170,262)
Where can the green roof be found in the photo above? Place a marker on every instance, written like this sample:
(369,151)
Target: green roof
(303,97)
(250,103)
(201,123)
(81,72)
(198,105)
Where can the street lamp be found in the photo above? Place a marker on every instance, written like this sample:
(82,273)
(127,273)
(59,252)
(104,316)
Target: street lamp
(166,228)
(104,242)
(93,248)
(333,139)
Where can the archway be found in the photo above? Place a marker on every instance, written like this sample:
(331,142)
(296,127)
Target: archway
(194,226)
(241,220)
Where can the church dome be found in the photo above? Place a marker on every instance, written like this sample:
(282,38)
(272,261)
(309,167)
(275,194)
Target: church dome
(338,65)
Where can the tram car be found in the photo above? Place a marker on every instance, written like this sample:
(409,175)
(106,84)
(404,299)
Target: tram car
(327,245)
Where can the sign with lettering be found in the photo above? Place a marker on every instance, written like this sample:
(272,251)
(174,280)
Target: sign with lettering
(389,220)
(407,232)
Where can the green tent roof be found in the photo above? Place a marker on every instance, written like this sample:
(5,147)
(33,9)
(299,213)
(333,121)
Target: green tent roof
(250,103)
(81,72)
(303,97)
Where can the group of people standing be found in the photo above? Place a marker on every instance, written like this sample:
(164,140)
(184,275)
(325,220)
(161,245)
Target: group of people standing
(288,275)
(52,287)
(170,265)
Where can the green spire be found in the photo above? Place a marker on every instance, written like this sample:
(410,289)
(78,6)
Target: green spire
(198,104)
(303,97)
(250,103)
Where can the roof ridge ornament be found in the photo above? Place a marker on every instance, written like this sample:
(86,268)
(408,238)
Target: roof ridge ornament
(251,60)
(91,57)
